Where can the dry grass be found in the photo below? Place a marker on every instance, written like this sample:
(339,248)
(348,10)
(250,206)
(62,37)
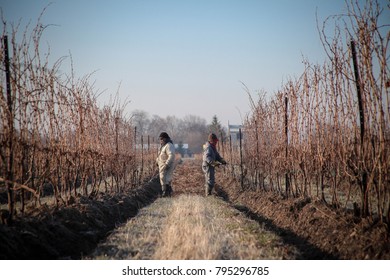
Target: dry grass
(190,227)
(206,228)
(137,239)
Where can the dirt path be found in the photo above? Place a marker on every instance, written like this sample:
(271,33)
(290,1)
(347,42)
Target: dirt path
(191,226)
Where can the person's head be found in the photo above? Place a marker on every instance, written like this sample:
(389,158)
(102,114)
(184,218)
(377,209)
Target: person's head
(164,137)
(213,139)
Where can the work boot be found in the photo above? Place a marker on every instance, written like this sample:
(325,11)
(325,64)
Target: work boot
(163,191)
(169,190)
(209,189)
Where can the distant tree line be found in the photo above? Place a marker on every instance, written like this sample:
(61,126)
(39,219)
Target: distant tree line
(190,129)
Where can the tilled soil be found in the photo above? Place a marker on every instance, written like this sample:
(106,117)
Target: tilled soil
(317,230)
(69,232)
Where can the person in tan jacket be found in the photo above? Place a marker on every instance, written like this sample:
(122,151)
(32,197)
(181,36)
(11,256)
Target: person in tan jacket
(165,162)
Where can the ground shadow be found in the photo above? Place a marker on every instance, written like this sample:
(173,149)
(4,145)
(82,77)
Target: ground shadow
(307,250)
(221,193)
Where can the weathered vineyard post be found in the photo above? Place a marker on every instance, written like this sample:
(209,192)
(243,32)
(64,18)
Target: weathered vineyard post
(223,150)
(9,178)
(116,159)
(222,144)
(286,135)
(231,155)
(257,160)
(142,161)
(150,161)
(135,171)
(241,167)
(365,210)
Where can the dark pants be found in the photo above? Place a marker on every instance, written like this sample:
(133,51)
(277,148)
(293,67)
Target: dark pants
(209,172)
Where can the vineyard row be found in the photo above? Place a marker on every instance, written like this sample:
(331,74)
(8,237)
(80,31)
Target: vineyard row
(326,134)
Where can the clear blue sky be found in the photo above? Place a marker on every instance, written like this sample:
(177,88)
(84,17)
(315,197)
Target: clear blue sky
(176,57)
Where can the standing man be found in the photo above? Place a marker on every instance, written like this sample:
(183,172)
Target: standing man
(211,159)
(165,162)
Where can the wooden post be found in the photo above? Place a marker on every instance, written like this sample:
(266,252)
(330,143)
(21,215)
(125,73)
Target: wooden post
(223,150)
(10,116)
(231,155)
(286,151)
(241,164)
(222,144)
(365,211)
(135,170)
(358,90)
(150,161)
(117,136)
(257,158)
(142,159)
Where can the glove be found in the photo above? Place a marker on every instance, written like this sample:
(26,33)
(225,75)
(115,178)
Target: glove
(215,163)
(223,162)
(162,169)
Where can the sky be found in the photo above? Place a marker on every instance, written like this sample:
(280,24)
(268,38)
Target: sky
(171,57)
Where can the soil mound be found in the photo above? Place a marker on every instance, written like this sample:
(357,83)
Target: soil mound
(317,229)
(69,232)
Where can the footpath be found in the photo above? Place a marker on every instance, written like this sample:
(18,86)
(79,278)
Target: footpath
(191,226)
